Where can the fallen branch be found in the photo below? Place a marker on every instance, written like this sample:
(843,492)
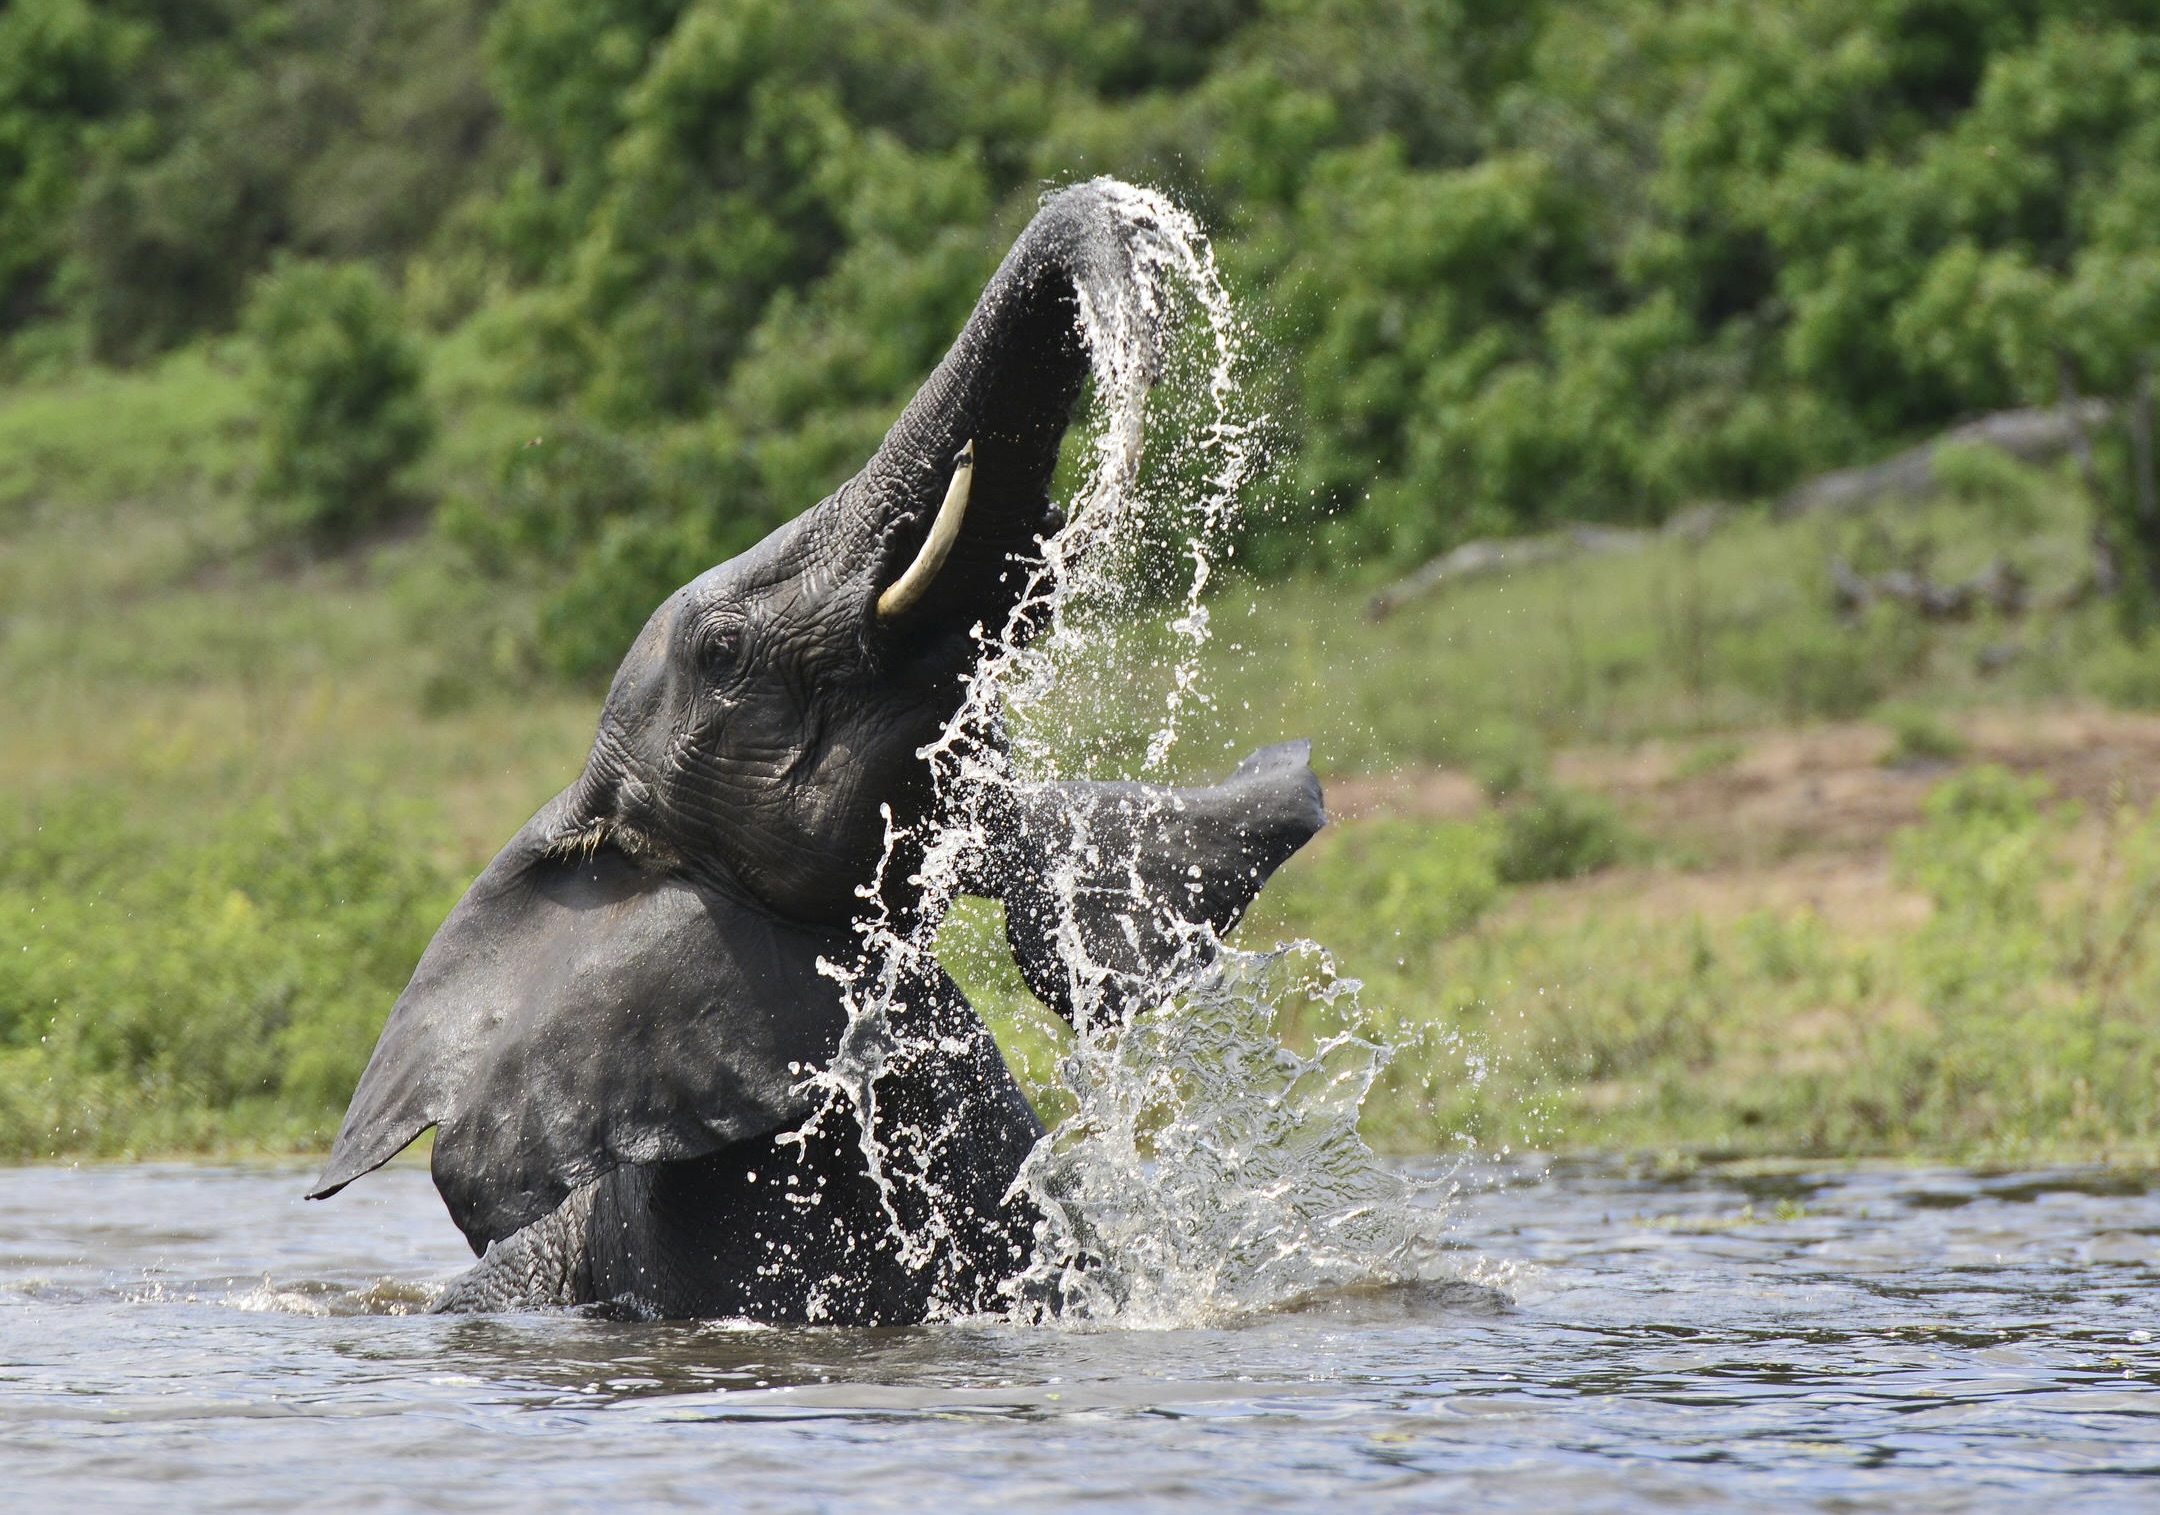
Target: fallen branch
(2032,436)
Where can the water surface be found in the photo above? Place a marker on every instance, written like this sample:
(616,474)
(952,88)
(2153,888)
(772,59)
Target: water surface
(194,1337)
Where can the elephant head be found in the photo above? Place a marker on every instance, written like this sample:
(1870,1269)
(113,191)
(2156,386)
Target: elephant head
(773,705)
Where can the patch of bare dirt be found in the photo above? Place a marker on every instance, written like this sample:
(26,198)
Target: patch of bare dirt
(1853,895)
(1784,792)
(1787,820)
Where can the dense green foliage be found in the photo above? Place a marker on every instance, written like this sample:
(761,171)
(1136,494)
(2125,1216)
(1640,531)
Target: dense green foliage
(1509,263)
(338,389)
(168,988)
(169,150)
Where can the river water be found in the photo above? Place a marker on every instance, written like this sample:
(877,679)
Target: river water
(194,1337)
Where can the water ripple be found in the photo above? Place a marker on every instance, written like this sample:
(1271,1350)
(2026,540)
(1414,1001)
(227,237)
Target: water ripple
(1906,1342)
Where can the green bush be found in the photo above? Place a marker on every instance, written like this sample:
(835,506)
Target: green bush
(1508,759)
(1920,736)
(2127,673)
(1391,885)
(2013,494)
(1813,667)
(1557,833)
(169,989)
(611,524)
(61,66)
(338,386)
(587,625)
(1714,756)
(554,494)
(210,138)
(2040,978)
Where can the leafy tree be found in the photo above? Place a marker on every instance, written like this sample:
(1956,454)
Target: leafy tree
(1510,261)
(61,63)
(245,128)
(338,385)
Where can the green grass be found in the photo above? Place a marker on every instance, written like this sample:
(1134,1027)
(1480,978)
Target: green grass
(241,790)
(186,985)
(177,433)
(1679,641)
(230,819)
(2015,1024)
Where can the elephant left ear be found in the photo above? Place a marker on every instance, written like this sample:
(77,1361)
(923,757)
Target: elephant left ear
(577,1013)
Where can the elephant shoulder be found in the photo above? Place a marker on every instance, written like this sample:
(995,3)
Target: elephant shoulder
(578,1012)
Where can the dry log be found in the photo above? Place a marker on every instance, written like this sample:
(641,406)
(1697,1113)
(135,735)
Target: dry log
(2032,436)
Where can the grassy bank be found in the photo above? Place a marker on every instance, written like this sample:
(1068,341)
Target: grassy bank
(1985,993)
(241,789)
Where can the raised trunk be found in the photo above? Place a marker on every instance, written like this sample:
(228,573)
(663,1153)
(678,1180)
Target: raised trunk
(1009,386)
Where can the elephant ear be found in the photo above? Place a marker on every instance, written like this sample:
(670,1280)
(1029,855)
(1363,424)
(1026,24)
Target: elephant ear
(579,1012)
(1113,889)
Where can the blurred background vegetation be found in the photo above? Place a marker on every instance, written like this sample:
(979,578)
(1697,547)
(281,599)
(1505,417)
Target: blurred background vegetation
(368,372)
(1510,263)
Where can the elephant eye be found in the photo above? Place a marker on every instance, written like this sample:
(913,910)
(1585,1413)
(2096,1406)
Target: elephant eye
(719,644)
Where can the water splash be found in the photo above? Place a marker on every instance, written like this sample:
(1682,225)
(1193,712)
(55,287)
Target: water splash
(1207,1169)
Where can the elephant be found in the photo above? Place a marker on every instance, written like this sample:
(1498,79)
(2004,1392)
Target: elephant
(623,1033)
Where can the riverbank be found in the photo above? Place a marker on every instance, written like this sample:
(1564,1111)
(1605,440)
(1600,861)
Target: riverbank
(1967,977)
(1634,853)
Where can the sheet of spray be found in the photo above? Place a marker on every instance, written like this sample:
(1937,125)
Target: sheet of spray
(1207,1169)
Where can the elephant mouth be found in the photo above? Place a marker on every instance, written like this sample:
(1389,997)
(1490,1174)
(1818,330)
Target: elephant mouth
(968,554)
(959,493)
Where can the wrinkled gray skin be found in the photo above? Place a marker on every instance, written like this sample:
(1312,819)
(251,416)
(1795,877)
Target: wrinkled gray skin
(610,1032)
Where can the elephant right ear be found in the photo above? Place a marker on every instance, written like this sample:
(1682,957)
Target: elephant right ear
(1110,889)
(578,1012)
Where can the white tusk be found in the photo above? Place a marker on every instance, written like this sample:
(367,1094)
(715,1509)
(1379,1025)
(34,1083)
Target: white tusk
(944,531)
